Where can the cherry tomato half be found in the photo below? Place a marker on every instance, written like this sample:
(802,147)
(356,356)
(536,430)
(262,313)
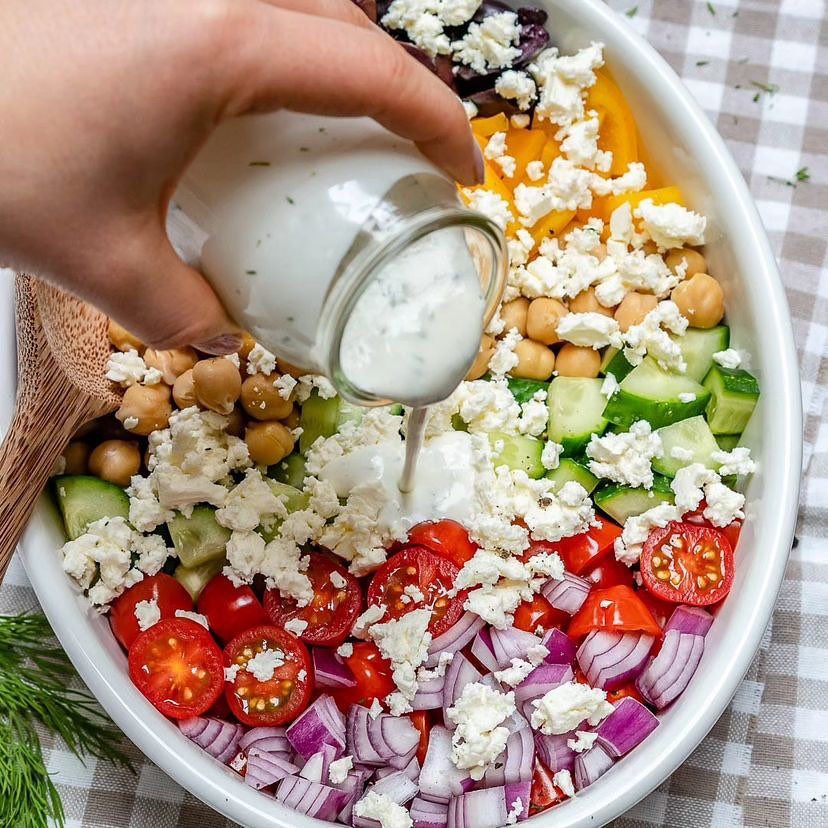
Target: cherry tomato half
(167,593)
(687,564)
(415,578)
(230,609)
(731,531)
(543,794)
(447,538)
(419,718)
(333,609)
(581,553)
(623,692)
(609,572)
(284,693)
(178,666)
(373,677)
(539,613)
(617,609)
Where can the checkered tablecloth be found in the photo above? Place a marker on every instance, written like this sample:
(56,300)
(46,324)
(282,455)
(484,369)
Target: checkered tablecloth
(760,70)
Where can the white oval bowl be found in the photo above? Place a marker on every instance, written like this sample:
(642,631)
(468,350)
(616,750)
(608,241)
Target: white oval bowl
(681,142)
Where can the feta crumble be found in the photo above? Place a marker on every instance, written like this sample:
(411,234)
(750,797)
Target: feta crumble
(565,707)
(383,809)
(296,626)
(729,358)
(338,769)
(590,329)
(737,461)
(563,780)
(671,225)
(517,86)
(264,664)
(193,616)
(584,740)
(626,457)
(651,337)
(260,361)
(147,614)
(551,455)
(490,44)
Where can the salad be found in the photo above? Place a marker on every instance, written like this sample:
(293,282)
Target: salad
(484,648)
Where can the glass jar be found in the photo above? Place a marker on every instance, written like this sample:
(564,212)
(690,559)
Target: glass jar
(302,223)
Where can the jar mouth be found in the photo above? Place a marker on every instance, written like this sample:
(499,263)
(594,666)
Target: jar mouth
(360,269)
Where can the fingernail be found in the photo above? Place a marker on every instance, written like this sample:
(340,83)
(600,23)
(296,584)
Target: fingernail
(221,345)
(479,164)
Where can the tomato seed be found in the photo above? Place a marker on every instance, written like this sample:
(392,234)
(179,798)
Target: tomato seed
(710,555)
(657,561)
(662,575)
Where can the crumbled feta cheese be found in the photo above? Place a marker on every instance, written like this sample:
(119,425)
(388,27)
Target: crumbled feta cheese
(723,504)
(517,86)
(514,812)
(479,737)
(234,358)
(590,329)
(375,709)
(520,668)
(250,503)
(519,121)
(296,626)
(193,616)
(737,461)
(126,368)
(534,415)
(130,423)
(534,170)
(565,707)
(504,357)
(285,385)
(383,809)
(152,376)
(264,664)
(260,361)
(345,650)
(147,614)
(496,146)
(637,528)
(562,80)
(626,457)
(563,780)
(609,386)
(338,579)
(490,205)
(650,337)
(458,12)
(551,454)
(729,358)
(579,142)
(414,593)
(680,453)
(687,397)
(338,769)
(490,44)
(507,164)
(584,740)
(364,622)
(689,483)
(471,109)
(671,225)
(231,672)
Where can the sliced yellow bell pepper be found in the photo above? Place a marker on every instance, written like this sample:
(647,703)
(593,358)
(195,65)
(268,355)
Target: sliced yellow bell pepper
(617,132)
(552,224)
(489,126)
(604,207)
(524,145)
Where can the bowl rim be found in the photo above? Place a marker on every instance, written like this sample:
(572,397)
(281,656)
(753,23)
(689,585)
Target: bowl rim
(222,790)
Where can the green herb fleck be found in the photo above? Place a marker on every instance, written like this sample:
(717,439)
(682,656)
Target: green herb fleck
(250,272)
(802,174)
(711,8)
(304,149)
(290,200)
(800,177)
(632,12)
(259,164)
(770,88)
(702,62)
(756,98)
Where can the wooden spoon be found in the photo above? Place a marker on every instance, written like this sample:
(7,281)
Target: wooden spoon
(62,351)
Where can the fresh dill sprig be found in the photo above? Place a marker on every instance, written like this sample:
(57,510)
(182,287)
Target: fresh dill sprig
(801,176)
(34,687)
(632,12)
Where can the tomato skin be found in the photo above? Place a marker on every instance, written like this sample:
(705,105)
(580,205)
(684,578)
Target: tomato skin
(164,589)
(660,610)
(732,531)
(419,718)
(609,573)
(296,672)
(543,793)
(331,613)
(686,563)
(168,675)
(581,553)
(432,574)
(624,692)
(539,613)
(625,612)
(447,538)
(230,609)
(373,677)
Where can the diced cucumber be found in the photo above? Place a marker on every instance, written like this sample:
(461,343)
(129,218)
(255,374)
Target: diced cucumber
(728,442)
(733,397)
(650,393)
(524,389)
(570,470)
(396,409)
(576,407)
(693,435)
(615,363)
(318,419)
(294,500)
(349,413)
(198,538)
(518,452)
(698,346)
(195,578)
(83,499)
(291,470)
(620,502)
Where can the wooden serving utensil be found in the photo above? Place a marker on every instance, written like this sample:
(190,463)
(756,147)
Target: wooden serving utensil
(62,351)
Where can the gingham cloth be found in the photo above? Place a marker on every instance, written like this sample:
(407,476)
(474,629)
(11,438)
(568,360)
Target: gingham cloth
(765,763)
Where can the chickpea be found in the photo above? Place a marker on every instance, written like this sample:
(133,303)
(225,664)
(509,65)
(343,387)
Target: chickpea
(481,361)
(236,422)
(268,443)
(514,315)
(292,419)
(261,399)
(172,363)
(217,384)
(576,361)
(145,408)
(183,390)
(695,261)
(542,320)
(76,456)
(649,247)
(122,339)
(701,300)
(633,308)
(295,371)
(115,461)
(247,346)
(535,360)
(586,302)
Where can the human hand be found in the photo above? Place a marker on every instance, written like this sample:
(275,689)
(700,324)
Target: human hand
(104,103)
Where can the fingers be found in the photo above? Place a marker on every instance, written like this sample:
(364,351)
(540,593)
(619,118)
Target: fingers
(286,59)
(343,10)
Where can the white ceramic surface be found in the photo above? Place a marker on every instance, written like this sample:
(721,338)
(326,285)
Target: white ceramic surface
(681,141)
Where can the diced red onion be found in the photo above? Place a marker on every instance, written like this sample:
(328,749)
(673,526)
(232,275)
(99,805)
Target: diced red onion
(218,738)
(316,767)
(491,682)
(539,682)
(358,741)
(329,669)
(554,751)
(429,695)
(353,785)
(311,798)
(459,673)
(321,724)
(257,734)
(667,675)
(627,726)
(561,647)
(411,770)
(396,786)
(483,808)
(425,814)
(454,638)
(483,649)
(693,620)
(511,643)
(568,594)
(395,738)
(515,791)
(440,778)
(591,764)
(520,755)
(515,722)
(611,659)
(495,775)
(264,769)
